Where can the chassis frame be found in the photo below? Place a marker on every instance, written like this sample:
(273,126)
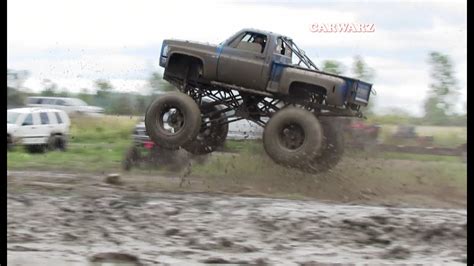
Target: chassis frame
(253,105)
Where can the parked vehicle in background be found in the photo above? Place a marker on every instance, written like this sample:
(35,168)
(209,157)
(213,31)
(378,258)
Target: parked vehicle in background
(408,132)
(144,150)
(38,129)
(361,134)
(72,106)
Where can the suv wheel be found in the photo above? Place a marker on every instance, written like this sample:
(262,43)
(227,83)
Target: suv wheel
(292,137)
(173,120)
(57,142)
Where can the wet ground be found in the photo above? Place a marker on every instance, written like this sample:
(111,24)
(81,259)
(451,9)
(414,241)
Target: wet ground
(65,219)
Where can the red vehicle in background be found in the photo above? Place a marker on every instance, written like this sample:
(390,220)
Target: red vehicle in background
(361,134)
(145,151)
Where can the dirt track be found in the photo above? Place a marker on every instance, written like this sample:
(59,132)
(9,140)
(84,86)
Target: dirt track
(70,221)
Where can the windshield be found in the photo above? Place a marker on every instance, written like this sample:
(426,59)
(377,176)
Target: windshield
(76,102)
(12,117)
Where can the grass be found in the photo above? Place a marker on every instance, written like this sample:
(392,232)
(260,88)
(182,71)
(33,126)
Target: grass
(98,145)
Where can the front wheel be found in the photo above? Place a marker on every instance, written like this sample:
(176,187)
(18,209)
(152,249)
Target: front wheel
(173,120)
(292,137)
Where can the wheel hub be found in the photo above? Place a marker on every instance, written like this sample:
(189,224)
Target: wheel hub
(173,120)
(292,136)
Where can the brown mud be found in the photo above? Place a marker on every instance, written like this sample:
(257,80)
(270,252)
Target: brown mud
(74,219)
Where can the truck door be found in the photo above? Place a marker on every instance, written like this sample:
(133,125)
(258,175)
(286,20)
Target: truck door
(242,61)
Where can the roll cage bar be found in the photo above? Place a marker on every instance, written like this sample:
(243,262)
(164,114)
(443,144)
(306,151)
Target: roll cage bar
(300,53)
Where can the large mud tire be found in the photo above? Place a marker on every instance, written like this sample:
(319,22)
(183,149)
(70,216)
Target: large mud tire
(292,137)
(181,112)
(209,138)
(332,148)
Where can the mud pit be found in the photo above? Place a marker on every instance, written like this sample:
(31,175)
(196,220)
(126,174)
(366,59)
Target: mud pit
(55,223)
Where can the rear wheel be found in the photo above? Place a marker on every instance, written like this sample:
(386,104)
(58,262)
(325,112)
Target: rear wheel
(173,120)
(57,142)
(332,148)
(212,135)
(292,137)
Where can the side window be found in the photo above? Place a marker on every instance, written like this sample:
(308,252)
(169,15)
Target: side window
(33,100)
(58,118)
(60,102)
(253,42)
(28,120)
(282,48)
(44,118)
(48,101)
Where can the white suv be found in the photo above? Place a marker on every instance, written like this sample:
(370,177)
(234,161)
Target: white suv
(37,128)
(69,105)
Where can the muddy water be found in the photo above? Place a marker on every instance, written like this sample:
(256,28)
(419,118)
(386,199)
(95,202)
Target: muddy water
(196,229)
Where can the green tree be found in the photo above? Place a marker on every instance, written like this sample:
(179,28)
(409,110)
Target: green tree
(85,96)
(158,84)
(363,72)
(63,93)
(122,105)
(15,79)
(439,105)
(49,88)
(103,88)
(333,66)
(15,98)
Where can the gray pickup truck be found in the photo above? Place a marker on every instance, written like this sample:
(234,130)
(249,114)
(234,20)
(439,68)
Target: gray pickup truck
(265,78)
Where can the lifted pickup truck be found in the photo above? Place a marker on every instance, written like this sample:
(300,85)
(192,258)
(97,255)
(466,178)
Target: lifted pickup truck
(265,78)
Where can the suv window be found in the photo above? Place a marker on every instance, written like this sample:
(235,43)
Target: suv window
(47,101)
(44,118)
(253,42)
(28,120)
(58,118)
(33,100)
(60,102)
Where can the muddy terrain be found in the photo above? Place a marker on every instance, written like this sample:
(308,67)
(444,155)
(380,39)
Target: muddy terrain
(63,218)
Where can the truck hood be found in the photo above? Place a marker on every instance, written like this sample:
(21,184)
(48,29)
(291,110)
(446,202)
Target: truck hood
(189,46)
(187,43)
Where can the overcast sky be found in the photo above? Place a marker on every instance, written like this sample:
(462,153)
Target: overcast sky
(74,43)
